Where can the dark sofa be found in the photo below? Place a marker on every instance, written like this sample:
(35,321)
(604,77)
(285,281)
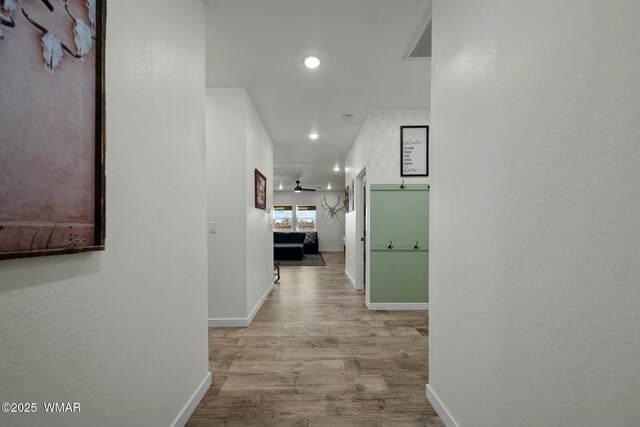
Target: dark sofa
(294,245)
(288,245)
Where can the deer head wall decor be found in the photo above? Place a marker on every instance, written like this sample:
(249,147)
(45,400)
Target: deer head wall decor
(332,212)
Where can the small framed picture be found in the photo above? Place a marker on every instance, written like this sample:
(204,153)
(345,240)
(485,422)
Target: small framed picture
(346,199)
(351,198)
(414,150)
(261,190)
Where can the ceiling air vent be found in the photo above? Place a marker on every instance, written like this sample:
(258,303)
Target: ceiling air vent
(421,43)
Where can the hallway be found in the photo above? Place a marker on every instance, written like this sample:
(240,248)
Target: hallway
(315,356)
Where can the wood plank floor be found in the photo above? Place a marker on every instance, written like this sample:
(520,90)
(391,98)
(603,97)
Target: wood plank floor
(314,356)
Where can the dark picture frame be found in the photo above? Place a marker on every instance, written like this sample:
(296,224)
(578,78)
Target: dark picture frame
(414,144)
(49,205)
(351,195)
(347,205)
(260,190)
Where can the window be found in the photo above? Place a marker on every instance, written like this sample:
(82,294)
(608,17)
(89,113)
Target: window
(283,218)
(305,218)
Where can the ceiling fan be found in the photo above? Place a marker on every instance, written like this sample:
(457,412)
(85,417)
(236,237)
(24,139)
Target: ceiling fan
(299,189)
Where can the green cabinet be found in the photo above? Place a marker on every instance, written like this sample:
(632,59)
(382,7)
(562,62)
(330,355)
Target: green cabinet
(399,243)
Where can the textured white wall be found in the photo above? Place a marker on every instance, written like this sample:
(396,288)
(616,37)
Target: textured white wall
(378,145)
(226,202)
(124,331)
(377,148)
(258,222)
(241,251)
(535,201)
(330,231)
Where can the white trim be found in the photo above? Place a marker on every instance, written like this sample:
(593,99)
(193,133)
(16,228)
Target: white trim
(398,305)
(353,282)
(446,417)
(191,405)
(360,248)
(240,322)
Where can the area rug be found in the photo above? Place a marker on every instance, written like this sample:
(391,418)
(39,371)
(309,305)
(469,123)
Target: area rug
(309,260)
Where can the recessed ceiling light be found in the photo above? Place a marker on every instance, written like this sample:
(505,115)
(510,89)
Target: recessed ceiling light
(336,169)
(311,61)
(314,136)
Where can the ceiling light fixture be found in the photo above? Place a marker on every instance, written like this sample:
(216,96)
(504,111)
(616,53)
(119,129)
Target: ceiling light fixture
(311,61)
(314,136)
(336,169)
(329,186)
(280,187)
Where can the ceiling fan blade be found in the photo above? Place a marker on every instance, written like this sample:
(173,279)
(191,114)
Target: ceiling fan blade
(299,188)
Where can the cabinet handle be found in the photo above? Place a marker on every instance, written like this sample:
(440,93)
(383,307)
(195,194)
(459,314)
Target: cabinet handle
(416,246)
(390,244)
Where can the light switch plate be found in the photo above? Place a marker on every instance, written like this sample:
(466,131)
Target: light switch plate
(212,227)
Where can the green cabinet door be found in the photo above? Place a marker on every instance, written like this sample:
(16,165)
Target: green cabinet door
(399,277)
(399,218)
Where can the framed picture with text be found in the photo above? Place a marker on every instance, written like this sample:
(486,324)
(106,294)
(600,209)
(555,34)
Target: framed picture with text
(414,150)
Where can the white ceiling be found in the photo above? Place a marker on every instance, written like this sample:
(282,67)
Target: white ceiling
(259,45)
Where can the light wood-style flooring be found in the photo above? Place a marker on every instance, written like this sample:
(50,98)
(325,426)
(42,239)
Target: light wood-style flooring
(314,356)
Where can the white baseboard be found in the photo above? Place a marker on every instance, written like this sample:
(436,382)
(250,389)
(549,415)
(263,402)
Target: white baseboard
(353,282)
(191,405)
(446,417)
(398,305)
(240,322)
(256,309)
(228,322)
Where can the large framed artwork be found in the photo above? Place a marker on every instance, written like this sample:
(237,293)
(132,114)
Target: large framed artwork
(52,181)
(414,150)
(260,190)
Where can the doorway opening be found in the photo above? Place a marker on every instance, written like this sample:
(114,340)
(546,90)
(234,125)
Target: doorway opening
(361,229)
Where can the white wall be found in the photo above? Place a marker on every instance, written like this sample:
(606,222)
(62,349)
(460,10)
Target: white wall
(241,251)
(227,202)
(124,332)
(535,201)
(330,231)
(259,231)
(377,148)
